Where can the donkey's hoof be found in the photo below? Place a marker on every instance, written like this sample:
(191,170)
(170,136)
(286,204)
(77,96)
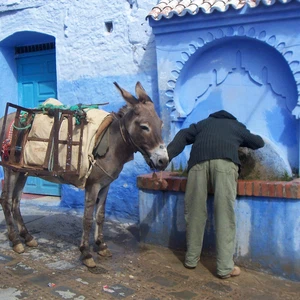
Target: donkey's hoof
(19,248)
(105,252)
(89,262)
(32,243)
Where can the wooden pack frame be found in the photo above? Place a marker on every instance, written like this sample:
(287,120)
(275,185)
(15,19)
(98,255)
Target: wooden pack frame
(19,137)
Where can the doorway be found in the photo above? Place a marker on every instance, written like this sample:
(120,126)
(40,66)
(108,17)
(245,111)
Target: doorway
(36,74)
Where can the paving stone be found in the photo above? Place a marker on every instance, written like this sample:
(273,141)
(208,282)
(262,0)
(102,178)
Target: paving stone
(186,295)
(21,269)
(218,287)
(178,275)
(5,259)
(263,297)
(61,265)
(133,272)
(42,280)
(83,279)
(32,218)
(12,293)
(66,293)
(163,281)
(97,270)
(118,291)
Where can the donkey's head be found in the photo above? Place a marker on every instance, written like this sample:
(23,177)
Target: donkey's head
(142,127)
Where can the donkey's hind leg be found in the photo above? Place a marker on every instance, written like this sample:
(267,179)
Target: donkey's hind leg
(100,215)
(10,179)
(29,239)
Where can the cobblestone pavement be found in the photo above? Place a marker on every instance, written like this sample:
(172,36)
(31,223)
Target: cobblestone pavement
(53,270)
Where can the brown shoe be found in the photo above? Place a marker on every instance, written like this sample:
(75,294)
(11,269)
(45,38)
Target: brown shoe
(235,272)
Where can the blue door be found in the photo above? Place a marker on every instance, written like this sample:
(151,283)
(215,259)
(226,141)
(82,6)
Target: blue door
(36,83)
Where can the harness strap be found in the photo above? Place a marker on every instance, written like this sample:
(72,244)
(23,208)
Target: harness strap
(93,163)
(99,135)
(103,126)
(126,138)
(101,168)
(129,141)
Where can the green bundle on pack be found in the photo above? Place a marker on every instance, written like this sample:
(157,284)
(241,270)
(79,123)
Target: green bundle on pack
(79,109)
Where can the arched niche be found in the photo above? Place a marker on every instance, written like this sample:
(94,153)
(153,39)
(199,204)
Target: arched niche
(254,82)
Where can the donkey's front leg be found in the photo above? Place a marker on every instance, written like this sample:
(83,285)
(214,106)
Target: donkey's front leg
(100,215)
(91,193)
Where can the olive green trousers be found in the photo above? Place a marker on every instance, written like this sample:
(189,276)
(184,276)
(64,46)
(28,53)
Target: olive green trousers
(221,175)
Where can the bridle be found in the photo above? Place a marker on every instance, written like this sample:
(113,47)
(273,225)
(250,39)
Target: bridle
(127,140)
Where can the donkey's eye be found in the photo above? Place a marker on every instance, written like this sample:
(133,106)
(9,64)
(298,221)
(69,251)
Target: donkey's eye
(145,127)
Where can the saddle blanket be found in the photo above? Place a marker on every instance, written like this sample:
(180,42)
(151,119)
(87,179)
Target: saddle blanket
(35,150)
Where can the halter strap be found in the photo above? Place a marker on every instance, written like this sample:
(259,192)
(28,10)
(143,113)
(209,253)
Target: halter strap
(127,140)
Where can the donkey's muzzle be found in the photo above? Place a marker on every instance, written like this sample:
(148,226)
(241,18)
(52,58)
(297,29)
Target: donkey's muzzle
(159,158)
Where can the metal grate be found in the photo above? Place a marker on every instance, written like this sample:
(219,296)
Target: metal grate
(34,48)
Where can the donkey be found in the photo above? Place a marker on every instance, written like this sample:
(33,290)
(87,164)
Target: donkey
(136,127)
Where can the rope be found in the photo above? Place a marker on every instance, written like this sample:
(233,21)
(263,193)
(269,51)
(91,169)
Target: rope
(94,163)
(45,107)
(101,168)
(23,117)
(79,109)
(22,128)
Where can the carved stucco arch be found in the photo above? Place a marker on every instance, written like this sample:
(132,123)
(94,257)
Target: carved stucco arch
(269,161)
(240,31)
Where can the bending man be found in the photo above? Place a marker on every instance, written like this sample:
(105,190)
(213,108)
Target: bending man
(214,163)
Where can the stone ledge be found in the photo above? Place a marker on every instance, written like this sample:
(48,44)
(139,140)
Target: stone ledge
(256,188)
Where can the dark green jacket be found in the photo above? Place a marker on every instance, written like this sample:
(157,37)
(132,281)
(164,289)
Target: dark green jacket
(217,137)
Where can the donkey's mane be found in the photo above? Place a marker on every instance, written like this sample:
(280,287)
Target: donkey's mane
(123,110)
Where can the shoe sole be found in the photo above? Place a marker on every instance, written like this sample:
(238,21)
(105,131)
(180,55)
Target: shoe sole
(230,274)
(189,267)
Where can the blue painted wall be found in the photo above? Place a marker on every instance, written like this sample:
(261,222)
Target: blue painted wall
(89,59)
(244,61)
(269,235)
(247,62)
(268,230)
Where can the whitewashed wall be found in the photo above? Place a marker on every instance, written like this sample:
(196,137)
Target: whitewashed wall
(88,60)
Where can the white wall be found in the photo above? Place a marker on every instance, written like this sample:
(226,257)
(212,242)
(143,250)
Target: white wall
(88,60)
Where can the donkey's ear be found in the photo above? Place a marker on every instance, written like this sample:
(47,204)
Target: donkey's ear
(126,95)
(141,93)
